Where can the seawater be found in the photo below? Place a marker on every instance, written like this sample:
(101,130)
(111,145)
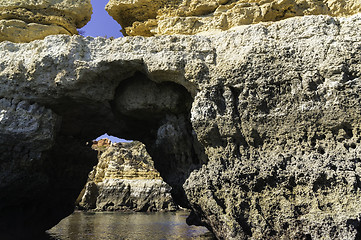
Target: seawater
(127,225)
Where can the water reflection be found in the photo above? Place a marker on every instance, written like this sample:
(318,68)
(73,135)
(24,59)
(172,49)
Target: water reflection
(129,225)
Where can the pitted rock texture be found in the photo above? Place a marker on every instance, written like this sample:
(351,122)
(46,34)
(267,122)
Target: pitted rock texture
(124,161)
(125,179)
(148,18)
(25,21)
(264,145)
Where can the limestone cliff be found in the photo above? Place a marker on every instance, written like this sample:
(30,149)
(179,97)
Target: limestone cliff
(125,178)
(27,20)
(147,18)
(256,129)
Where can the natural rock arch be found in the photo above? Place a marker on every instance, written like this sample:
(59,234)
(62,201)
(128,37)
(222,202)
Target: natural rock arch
(276,109)
(154,113)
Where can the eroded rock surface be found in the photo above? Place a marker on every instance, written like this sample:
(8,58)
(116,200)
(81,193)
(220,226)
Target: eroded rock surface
(27,20)
(34,159)
(125,179)
(264,143)
(148,18)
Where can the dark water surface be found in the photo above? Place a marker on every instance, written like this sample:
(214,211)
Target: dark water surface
(127,225)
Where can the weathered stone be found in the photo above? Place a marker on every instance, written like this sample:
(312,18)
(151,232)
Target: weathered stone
(125,179)
(147,18)
(34,158)
(20,31)
(265,143)
(25,21)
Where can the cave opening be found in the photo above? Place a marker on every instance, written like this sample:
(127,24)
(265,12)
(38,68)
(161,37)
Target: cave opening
(158,115)
(154,113)
(56,166)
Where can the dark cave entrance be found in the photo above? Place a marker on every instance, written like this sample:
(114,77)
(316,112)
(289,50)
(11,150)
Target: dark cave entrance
(156,114)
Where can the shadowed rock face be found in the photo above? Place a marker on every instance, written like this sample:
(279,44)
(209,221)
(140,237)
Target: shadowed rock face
(159,115)
(256,129)
(41,169)
(55,146)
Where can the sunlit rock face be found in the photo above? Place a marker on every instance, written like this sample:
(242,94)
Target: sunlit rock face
(257,128)
(28,20)
(148,18)
(125,179)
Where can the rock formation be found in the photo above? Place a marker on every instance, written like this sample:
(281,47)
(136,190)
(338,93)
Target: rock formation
(101,145)
(27,20)
(41,171)
(257,128)
(149,17)
(125,179)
